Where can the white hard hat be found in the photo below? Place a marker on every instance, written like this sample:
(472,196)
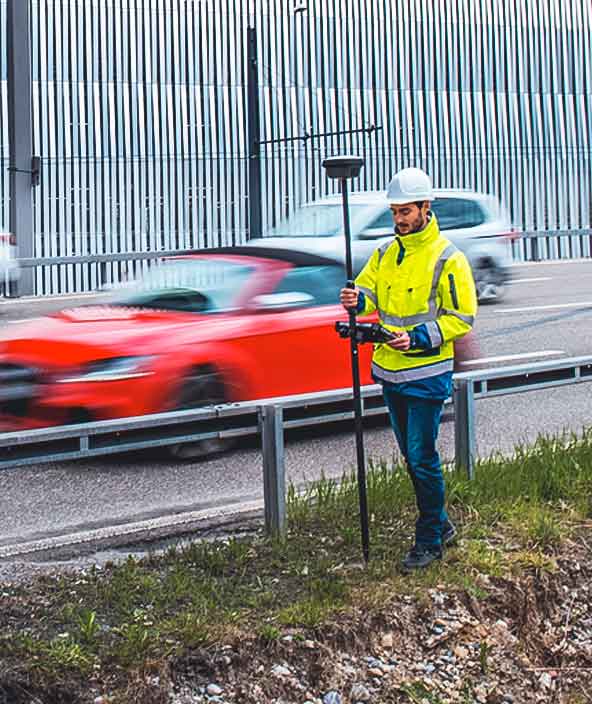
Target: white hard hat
(408,186)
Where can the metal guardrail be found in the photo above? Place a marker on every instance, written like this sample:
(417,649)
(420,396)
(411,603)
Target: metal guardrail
(229,420)
(469,386)
(535,234)
(539,238)
(106,258)
(271,417)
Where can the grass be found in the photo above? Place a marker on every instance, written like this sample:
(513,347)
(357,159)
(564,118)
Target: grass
(419,694)
(126,617)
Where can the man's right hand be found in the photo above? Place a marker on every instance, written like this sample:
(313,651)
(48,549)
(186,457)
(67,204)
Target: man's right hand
(348,297)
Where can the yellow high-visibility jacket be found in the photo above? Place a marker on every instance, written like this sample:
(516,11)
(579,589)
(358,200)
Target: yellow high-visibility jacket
(423,281)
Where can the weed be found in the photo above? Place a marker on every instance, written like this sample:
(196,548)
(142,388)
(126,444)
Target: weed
(299,506)
(135,643)
(457,575)
(69,654)
(484,649)
(484,557)
(418,693)
(328,588)
(209,558)
(538,524)
(189,630)
(88,625)
(61,654)
(308,613)
(583,502)
(533,559)
(350,534)
(269,633)
(466,692)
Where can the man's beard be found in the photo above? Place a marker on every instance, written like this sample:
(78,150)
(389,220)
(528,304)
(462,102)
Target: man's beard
(418,224)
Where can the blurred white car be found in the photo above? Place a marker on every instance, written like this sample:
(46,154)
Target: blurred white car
(9,268)
(476,223)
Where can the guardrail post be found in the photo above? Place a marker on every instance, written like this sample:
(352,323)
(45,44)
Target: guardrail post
(464,426)
(274,476)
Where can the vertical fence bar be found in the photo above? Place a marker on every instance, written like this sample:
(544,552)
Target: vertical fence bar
(536,257)
(20,129)
(464,426)
(274,476)
(255,226)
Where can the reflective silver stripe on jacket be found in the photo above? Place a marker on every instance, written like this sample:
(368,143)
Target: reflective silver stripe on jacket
(412,374)
(434,333)
(432,312)
(382,249)
(368,292)
(470,319)
(408,320)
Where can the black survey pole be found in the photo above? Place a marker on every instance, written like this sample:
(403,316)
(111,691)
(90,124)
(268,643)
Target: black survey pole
(253,118)
(343,168)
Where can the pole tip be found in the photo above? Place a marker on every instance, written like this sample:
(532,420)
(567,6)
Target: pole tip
(344,166)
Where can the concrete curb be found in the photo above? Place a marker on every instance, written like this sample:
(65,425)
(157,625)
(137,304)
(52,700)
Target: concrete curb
(139,532)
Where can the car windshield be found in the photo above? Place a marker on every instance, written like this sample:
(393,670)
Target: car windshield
(201,285)
(319,220)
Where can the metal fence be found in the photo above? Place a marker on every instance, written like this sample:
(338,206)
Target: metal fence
(140,115)
(272,417)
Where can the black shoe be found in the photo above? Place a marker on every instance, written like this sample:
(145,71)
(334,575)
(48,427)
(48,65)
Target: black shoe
(449,533)
(420,557)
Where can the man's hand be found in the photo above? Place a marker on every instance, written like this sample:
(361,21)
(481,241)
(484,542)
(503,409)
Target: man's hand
(348,297)
(401,342)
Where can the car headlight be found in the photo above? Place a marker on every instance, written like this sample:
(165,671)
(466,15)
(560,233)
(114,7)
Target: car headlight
(114,369)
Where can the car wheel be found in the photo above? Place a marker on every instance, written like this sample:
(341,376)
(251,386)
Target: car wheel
(201,387)
(489,282)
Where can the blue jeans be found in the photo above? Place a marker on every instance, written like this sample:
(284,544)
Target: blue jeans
(416,422)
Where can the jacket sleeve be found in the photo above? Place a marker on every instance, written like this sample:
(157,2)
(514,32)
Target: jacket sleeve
(366,282)
(458,299)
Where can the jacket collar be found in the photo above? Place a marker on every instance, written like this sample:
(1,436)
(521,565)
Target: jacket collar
(416,240)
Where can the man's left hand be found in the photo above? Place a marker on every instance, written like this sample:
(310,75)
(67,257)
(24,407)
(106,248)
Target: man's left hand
(401,342)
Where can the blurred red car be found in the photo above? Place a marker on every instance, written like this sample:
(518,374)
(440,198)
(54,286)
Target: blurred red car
(214,326)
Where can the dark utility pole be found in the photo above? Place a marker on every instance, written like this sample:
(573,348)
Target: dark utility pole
(21,163)
(253,118)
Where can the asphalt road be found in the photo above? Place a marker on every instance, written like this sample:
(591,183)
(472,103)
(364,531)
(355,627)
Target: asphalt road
(547,315)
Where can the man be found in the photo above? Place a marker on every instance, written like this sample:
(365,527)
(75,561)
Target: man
(423,289)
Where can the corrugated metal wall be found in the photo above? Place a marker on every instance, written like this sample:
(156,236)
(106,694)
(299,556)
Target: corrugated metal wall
(140,113)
